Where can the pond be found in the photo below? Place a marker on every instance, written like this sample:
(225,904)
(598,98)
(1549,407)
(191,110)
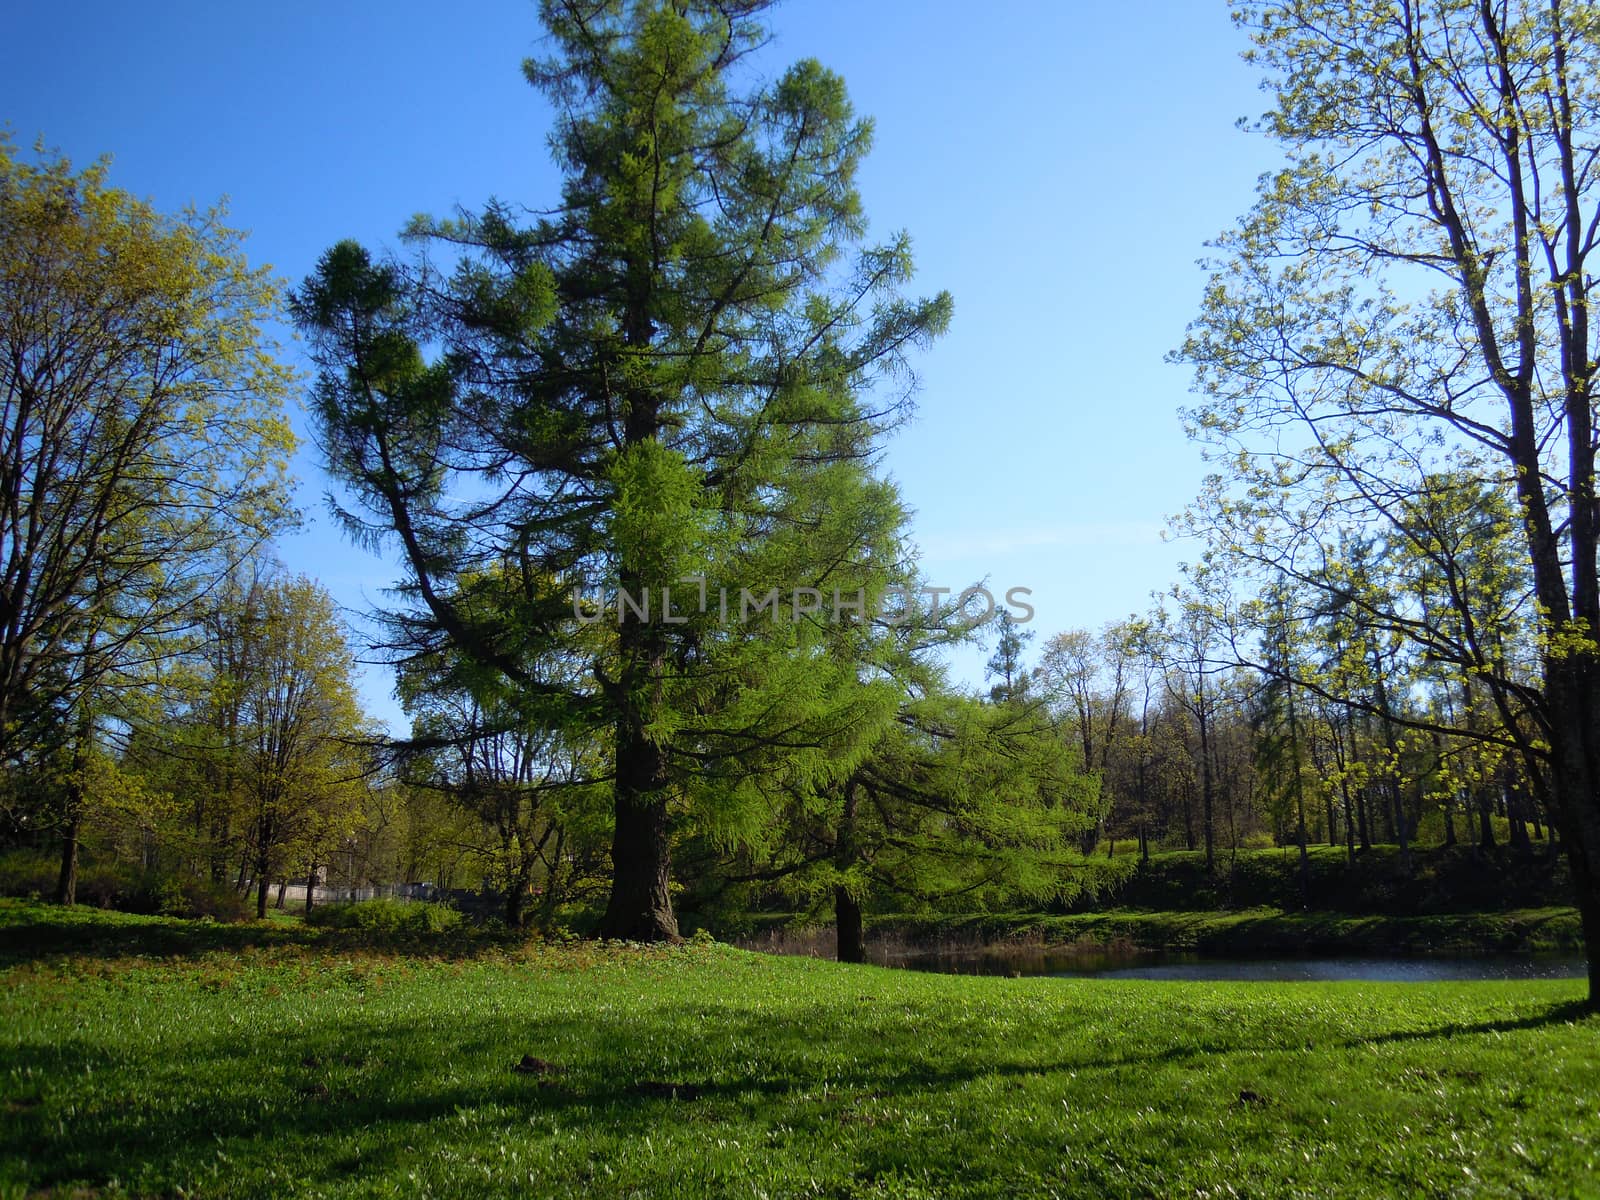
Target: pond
(1153,965)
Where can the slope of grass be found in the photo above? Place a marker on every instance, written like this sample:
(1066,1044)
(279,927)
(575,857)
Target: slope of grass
(147,1056)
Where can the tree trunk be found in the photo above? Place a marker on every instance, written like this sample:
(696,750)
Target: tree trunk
(847,920)
(1396,806)
(851,940)
(1397,798)
(1572,689)
(1516,813)
(517,890)
(311,885)
(263,867)
(283,890)
(1305,854)
(219,850)
(640,907)
(1300,805)
(67,882)
(1349,821)
(1207,793)
(552,881)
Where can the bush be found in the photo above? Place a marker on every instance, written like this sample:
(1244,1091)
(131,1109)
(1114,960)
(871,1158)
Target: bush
(215,900)
(28,873)
(387,917)
(107,885)
(160,894)
(167,894)
(120,887)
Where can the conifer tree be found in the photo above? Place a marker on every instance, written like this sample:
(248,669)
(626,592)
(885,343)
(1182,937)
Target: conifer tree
(664,395)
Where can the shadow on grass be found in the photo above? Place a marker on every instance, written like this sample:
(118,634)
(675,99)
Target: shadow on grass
(41,933)
(1564,1013)
(367,1091)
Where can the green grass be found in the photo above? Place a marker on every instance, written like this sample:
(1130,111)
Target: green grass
(154,1057)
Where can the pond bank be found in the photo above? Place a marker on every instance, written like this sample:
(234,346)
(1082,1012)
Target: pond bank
(1245,932)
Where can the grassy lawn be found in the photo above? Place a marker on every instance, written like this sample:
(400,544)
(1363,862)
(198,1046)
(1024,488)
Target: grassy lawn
(151,1057)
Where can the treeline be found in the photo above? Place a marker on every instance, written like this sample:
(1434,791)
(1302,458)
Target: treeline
(1395,368)
(1196,749)
(577,428)
(676,384)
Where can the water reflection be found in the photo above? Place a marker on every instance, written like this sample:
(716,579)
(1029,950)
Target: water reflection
(1152,965)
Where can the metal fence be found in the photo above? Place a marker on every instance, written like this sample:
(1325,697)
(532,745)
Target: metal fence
(295,893)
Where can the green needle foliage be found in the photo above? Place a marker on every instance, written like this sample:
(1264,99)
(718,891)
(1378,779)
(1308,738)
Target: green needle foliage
(681,373)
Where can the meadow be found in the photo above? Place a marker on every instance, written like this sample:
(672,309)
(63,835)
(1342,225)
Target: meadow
(145,1056)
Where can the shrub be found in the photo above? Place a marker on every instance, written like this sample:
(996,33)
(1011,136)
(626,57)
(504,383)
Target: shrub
(203,898)
(107,885)
(121,887)
(28,873)
(387,917)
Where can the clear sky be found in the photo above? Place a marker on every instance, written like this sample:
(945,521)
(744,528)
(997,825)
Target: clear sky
(1059,164)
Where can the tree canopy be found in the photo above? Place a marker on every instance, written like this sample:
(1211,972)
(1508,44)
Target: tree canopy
(674,382)
(1408,302)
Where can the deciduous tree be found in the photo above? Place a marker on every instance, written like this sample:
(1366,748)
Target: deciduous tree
(1411,295)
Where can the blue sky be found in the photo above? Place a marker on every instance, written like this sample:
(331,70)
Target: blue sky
(1058,164)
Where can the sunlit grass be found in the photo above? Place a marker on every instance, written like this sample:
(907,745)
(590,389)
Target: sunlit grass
(280,1062)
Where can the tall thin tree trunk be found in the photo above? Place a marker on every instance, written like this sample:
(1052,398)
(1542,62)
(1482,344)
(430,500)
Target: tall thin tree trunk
(1299,804)
(67,881)
(1349,821)
(552,880)
(263,867)
(1396,806)
(1207,796)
